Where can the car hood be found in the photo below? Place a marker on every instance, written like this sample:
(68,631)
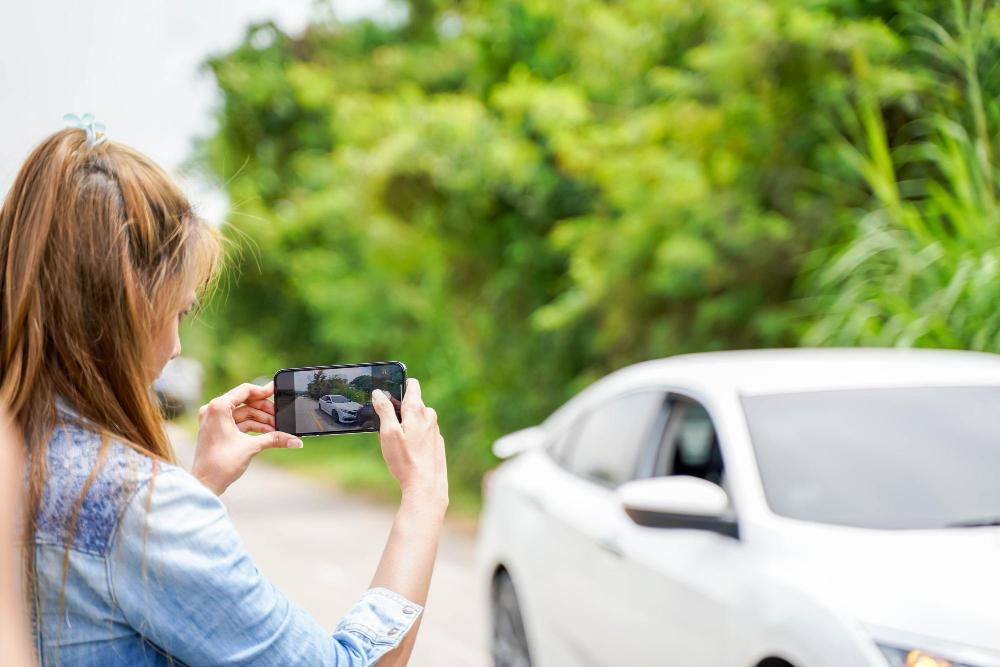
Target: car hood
(347,406)
(940,584)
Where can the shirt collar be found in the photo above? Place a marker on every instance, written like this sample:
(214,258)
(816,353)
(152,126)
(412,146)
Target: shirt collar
(66,408)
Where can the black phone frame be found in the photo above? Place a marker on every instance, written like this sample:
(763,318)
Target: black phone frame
(317,368)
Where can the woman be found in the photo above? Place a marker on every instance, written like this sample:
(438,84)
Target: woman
(130,559)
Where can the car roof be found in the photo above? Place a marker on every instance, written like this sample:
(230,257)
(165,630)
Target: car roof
(757,372)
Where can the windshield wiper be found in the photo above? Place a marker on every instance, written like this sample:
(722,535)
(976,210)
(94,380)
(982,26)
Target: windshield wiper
(975,523)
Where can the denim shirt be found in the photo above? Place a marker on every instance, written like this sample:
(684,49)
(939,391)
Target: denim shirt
(156,574)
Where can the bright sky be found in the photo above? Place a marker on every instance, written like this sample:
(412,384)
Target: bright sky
(135,65)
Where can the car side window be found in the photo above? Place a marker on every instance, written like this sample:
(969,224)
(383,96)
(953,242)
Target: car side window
(690,444)
(558,447)
(606,443)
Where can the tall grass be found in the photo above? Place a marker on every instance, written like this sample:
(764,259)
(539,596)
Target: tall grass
(922,264)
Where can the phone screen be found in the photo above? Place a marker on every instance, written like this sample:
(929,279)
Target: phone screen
(324,400)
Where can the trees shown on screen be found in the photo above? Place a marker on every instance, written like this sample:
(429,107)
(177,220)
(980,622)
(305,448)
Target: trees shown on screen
(363,383)
(318,378)
(320,385)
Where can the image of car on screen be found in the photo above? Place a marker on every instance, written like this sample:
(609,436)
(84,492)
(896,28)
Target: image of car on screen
(340,408)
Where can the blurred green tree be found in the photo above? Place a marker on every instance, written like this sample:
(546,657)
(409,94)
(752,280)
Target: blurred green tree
(517,196)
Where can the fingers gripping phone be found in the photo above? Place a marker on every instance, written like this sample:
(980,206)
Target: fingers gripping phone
(322,400)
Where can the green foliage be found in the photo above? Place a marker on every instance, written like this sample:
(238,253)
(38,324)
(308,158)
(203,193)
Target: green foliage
(515,197)
(924,266)
(320,385)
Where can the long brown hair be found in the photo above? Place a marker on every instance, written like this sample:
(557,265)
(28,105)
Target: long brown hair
(97,246)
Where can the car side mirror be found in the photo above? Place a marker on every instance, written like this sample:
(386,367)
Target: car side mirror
(518,441)
(678,501)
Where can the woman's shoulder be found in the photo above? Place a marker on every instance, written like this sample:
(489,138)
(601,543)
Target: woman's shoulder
(91,477)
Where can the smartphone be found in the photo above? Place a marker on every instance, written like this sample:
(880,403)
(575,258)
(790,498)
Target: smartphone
(323,400)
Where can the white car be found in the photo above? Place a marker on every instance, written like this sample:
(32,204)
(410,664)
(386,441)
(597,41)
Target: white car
(812,508)
(341,408)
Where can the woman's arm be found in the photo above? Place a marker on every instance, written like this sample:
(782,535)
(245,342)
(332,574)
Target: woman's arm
(181,576)
(414,452)
(407,562)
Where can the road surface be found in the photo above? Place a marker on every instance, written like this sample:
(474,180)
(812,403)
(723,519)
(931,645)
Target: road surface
(320,547)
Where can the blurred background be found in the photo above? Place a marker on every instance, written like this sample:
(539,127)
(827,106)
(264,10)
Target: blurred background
(516,197)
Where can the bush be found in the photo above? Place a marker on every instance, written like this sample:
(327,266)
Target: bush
(922,267)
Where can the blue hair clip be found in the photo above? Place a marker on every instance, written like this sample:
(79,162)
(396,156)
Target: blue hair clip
(88,125)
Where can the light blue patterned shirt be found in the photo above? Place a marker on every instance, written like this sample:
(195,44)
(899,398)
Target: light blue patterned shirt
(174,585)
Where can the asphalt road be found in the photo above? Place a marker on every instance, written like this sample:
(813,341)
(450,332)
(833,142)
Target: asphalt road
(320,547)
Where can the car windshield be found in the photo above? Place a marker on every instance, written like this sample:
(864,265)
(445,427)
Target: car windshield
(909,458)
(338,399)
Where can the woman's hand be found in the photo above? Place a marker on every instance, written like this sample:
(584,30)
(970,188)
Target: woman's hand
(224,446)
(413,449)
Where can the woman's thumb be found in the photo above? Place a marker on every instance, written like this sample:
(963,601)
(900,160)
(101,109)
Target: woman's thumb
(277,439)
(383,408)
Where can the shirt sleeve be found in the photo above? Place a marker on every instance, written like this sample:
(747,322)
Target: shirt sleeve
(181,576)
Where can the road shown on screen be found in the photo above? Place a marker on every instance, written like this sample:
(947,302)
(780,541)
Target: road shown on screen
(310,419)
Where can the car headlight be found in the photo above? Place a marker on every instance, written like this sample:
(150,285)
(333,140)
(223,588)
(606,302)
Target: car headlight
(914,657)
(899,657)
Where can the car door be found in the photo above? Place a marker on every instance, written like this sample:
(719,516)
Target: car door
(675,586)
(582,514)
